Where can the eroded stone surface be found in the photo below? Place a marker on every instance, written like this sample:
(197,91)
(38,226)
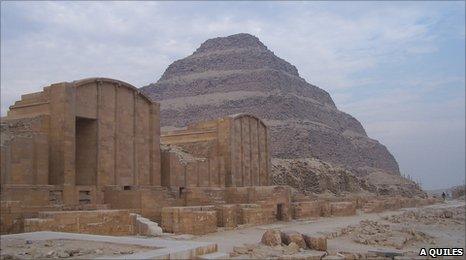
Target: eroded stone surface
(316,242)
(293,237)
(271,237)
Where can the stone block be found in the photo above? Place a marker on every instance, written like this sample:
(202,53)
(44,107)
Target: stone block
(325,209)
(204,222)
(226,215)
(271,237)
(343,208)
(11,223)
(374,206)
(316,242)
(189,220)
(250,214)
(288,237)
(306,209)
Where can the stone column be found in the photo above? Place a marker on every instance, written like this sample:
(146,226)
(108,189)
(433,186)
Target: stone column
(62,134)
(155,157)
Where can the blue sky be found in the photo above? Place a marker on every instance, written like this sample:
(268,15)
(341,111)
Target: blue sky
(398,67)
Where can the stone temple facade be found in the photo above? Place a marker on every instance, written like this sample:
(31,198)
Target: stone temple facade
(96,144)
(93,132)
(235,151)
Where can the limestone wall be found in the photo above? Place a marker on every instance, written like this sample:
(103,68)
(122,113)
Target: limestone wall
(306,209)
(24,151)
(189,220)
(148,201)
(92,132)
(180,169)
(236,146)
(100,222)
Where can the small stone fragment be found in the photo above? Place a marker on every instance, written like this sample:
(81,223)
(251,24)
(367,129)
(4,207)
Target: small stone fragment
(240,250)
(291,248)
(50,254)
(63,254)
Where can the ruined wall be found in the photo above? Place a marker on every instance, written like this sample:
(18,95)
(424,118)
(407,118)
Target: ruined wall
(102,222)
(236,146)
(181,169)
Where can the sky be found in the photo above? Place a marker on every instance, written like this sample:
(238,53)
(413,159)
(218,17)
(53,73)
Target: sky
(398,67)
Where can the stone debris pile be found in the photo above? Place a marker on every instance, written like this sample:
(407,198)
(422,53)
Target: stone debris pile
(370,232)
(429,216)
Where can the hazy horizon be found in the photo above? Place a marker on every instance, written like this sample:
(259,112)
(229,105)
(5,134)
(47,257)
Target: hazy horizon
(398,67)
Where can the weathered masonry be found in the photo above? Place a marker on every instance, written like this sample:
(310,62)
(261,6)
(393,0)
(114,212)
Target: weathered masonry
(232,152)
(88,156)
(94,144)
(92,132)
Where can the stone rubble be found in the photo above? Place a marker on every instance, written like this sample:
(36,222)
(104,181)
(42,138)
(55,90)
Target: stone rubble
(431,216)
(286,244)
(271,237)
(370,232)
(289,237)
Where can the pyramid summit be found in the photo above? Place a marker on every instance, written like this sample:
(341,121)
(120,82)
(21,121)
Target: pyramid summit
(235,41)
(235,53)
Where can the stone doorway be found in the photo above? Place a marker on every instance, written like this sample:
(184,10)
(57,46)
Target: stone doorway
(279,215)
(86,151)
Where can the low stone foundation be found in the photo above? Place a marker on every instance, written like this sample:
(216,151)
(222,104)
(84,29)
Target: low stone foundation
(11,217)
(226,215)
(325,209)
(395,203)
(199,220)
(342,209)
(101,222)
(243,206)
(196,220)
(375,206)
(250,214)
(306,209)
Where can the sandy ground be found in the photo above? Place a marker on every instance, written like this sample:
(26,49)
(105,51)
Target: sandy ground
(65,248)
(377,231)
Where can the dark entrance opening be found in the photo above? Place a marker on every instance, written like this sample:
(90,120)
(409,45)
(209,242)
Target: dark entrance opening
(181,191)
(86,151)
(280,211)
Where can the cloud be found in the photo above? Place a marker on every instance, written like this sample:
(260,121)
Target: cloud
(399,67)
